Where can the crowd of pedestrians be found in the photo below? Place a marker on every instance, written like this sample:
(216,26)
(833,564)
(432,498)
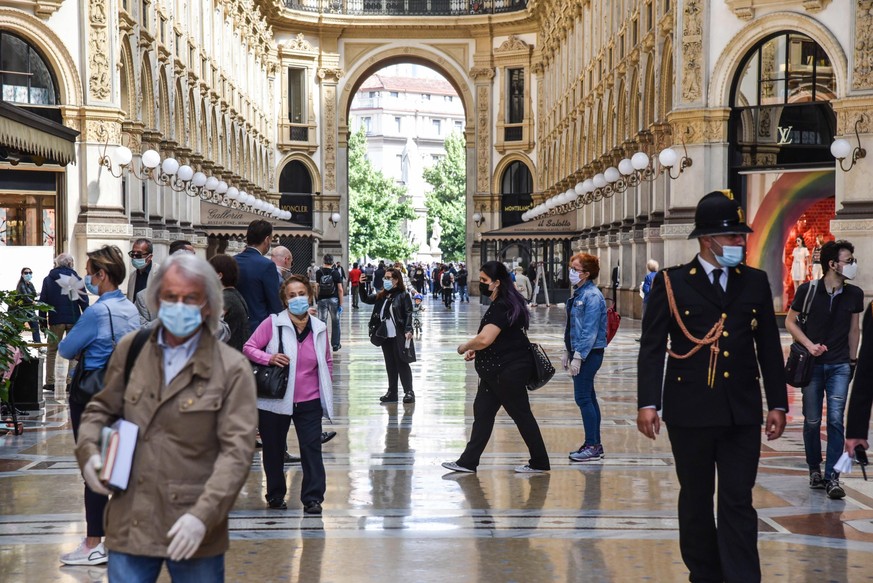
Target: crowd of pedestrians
(174,355)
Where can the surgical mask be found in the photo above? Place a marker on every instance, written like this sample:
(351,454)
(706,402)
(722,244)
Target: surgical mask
(180,320)
(388,284)
(138,263)
(28,277)
(298,305)
(732,255)
(90,286)
(485,289)
(575,278)
(850,270)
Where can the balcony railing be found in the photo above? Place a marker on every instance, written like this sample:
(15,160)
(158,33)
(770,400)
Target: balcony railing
(407,7)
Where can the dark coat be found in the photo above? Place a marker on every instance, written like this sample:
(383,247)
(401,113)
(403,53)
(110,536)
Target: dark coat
(259,286)
(401,309)
(65,310)
(858,416)
(750,338)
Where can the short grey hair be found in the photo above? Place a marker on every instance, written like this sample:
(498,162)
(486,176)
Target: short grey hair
(64,260)
(195,268)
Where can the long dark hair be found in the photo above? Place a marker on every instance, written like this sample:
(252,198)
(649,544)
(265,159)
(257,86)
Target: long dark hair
(507,292)
(393,273)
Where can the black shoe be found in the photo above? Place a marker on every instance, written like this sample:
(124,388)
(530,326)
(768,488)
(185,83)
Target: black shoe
(291,459)
(337,347)
(312,507)
(409,397)
(835,490)
(388,397)
(277,504)
(815,481)
(48,388)
(327,436)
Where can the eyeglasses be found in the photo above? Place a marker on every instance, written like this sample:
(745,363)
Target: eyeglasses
(848,261)
(137,255)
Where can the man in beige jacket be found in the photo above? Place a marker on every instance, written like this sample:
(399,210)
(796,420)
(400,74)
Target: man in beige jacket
(193,400)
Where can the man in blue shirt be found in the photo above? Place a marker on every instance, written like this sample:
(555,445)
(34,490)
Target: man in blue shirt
(258,282)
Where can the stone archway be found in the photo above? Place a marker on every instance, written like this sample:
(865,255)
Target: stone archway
(476,107)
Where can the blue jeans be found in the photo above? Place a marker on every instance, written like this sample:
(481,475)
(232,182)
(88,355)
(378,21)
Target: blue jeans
(328,306)
(831,380)
(462,290)
(586,398)
(124,568)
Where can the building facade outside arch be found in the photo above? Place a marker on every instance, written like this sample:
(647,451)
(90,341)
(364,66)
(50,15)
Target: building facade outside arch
(359,67)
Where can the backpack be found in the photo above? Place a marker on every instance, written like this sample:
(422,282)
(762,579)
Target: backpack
(446,281)
(326,284)
(613,321)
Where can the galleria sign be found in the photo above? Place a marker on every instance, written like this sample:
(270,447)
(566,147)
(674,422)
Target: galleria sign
(215,215)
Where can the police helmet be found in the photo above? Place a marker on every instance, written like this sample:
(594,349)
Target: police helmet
(718,213)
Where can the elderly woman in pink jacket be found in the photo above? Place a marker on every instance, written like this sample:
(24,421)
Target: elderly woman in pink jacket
(308,397)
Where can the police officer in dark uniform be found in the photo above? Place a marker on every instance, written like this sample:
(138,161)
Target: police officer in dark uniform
(718,317)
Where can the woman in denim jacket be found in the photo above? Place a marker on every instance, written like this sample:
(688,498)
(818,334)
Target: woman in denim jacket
(584,341)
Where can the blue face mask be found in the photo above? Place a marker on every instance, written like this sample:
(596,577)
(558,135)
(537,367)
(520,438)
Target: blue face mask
(138,263)
(180,320)
(28,277)
(298,305)
(91,287)
(732,255)
(388,284)
(575,278)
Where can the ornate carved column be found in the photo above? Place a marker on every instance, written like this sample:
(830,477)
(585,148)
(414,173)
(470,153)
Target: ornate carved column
(334,170)
(479,164)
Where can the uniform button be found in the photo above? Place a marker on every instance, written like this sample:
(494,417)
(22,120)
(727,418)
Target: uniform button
(726,353)
(687,312)
(679,379)
(754,311)
(727,375)
(723,315)
(724,333)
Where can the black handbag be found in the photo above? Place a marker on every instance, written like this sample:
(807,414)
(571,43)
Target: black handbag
(87,383)
(798,367)
(271,380)
(378,327)
(543,369)
(407,353)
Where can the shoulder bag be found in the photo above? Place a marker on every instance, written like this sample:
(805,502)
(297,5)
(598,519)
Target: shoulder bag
(271,380)
(87,383)
(378,327)
(543,371)
(798,368)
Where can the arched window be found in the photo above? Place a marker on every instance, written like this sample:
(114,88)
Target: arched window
(295,178)
(516,186)
(24,76)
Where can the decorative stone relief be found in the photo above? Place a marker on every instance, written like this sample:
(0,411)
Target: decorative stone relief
(482,73)
(676,231)
(329,137)
(299,44)
(513,43)
(483,139)
(333,75)
(692,50)
(862,77)
(99,73)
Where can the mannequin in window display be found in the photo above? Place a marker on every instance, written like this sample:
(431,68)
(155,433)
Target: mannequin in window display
(816,256)
(799,263)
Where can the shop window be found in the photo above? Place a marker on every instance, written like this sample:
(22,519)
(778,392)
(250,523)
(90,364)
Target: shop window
(27,220)
(25,78)
(515,89)
(516,186)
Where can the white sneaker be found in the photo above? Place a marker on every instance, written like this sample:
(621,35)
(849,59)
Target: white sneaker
(525,469)
(453,466)
(85,556)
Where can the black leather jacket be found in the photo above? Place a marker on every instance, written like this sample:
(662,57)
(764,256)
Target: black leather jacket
(401,308)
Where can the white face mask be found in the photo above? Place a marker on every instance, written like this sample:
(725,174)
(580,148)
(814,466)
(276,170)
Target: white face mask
(850,270)
(575,278)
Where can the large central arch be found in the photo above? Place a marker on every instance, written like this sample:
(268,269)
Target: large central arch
(384,56)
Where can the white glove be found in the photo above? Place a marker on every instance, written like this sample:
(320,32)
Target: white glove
(844,464)
(91,473)
(187,534)
(565,360)
(575,366)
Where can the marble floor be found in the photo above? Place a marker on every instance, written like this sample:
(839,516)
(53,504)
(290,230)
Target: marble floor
(393,514)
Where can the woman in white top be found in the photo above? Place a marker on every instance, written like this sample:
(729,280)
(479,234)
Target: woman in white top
(800,263)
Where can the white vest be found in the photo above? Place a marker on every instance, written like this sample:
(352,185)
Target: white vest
(285,405)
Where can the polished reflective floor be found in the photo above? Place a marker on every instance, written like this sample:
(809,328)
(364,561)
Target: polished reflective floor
(392,513)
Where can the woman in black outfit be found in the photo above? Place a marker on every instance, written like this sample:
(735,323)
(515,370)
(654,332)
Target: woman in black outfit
(393,306)
(504,364)
(236,312)
(28,293)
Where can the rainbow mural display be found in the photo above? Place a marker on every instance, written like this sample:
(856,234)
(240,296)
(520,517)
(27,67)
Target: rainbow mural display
(787,197)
